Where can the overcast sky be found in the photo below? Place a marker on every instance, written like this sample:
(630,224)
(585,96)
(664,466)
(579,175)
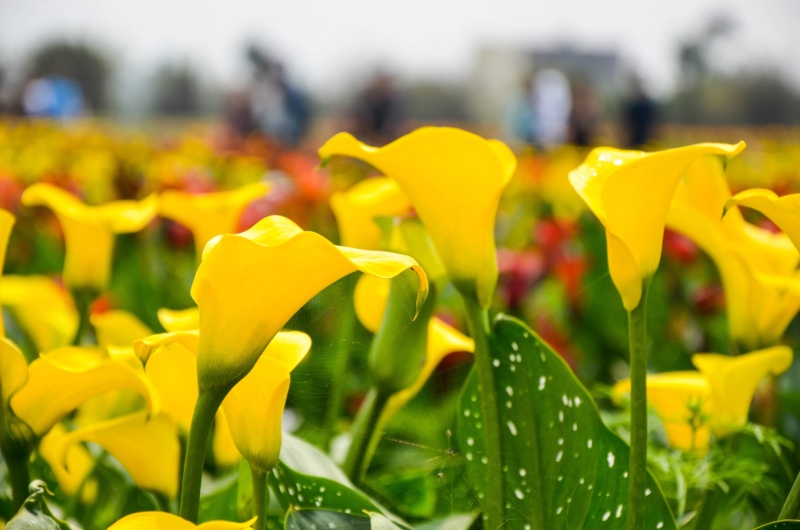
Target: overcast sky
(324,43)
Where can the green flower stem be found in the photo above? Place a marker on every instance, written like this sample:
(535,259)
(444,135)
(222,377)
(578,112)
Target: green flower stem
(19,477)
(792,505)
(365,435)
(205,409)
(637,481)
(341,358)
(260,498)
(478,322)
(83,297)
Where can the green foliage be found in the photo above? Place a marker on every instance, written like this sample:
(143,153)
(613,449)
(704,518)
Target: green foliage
(563,467)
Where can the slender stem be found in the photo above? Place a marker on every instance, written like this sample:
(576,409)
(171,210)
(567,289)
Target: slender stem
(206,407)
(478,322)
(365,435)
(792,505)
(260,498)
(637,481)
(83,301)
(341,357)
(19,477)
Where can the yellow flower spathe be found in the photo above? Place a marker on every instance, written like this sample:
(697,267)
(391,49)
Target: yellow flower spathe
(42,308)
(89,231)
(357,208)
(757,267)
(454,180)
(715,399)
(783,211)
(630,193)
(249,285)
(167,521)
(209,214)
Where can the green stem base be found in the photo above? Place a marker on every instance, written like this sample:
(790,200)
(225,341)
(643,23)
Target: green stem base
(366,435)
(260,498)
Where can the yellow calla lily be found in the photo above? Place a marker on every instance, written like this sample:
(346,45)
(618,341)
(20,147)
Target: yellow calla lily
(783,211)
(118,328)
(6,224)
(370,298)
(61,380)
(210,214)
(630,193)
(222,445)
(454,180)
(180,319)
(250,284)
(757,268)
(71,470)
(734,380)
(254,407)
(715,399)
(167,521)
(147,448)
(682,401)
(13,370)
(357,208)
(42,308)
(89,231)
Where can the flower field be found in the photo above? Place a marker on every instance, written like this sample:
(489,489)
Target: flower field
(443,332)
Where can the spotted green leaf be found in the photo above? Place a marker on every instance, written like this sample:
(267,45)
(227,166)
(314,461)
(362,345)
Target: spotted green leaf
(306,519)
(563,468)
(781,525)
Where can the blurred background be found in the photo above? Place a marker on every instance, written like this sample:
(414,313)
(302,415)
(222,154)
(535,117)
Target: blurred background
(575,71)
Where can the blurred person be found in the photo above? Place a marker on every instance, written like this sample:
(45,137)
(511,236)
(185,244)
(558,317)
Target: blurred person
(551,102)
(279,109)
(585,116)
(53,97)
(519,115)
(378,111)
(640,116)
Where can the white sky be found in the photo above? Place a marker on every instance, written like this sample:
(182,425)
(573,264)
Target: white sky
(326,42)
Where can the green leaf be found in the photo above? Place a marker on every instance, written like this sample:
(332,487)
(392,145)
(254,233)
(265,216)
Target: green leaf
(563,468)
(35,514)
(781,525)
(305,519)
(461,521)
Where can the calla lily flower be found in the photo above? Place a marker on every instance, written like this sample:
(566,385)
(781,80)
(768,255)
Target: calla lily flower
(147,448)
(167,521)
(757,267)
(357,208)
(715,399)
(630,192)
(42,308)
(89,231)
(783,211)
(370,298)
(179,319)
(454,180)
(118,328)
(6,224)
(254,407)
(61,380)
(209,214)
(250,284)
(71,470)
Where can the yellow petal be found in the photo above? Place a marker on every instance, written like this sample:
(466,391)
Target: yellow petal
(79,464)
(13,370)
(442,341)
(42,308)
(357,208)
(254,409)
(222,444)
(369,298)
(683,402)
(89,230)
(118,328)
(173,370)
(454,180)
(6,224)
(630,192)
(209,214)
(167,521)
(148,449)
(734,380)
(250,284)
(145,347)
(288,348)
(179,319)
(61,380)
(783,211)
